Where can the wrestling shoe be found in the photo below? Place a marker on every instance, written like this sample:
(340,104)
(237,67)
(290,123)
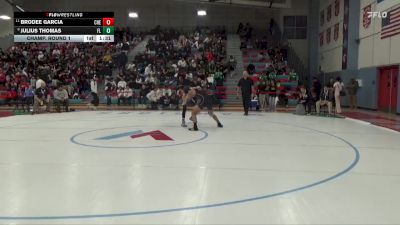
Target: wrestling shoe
(195,128)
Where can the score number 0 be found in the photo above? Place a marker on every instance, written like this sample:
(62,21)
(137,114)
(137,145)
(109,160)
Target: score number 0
(108,21)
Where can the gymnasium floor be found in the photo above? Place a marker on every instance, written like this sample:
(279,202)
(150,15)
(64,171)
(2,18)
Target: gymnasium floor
(143,168)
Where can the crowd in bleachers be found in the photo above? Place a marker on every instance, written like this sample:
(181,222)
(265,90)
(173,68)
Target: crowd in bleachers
(277,83)
(71,65)
(274,81)
(172,60)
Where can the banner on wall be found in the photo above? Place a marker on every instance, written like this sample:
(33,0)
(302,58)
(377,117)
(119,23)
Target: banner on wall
(329,13)
(336,32)
(322,18)
(391,24)
(337,7)
(345,34)
(321,39)
(328,35)
(366,16)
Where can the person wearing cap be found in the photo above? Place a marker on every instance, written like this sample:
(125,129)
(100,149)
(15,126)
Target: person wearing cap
(245,84)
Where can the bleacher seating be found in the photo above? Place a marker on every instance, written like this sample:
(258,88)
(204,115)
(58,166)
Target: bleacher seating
(287,82)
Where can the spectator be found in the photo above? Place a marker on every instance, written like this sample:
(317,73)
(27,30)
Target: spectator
(240,28)
(95,98)
(251,69)
(153,97)
(148,71)
(262,94)
(143,95)
(182,63)
(121,95)
(122,84)
(326,98)
(128,95)
(109,89)
(316,87)
(272,95)
(352,90)
(20,98)
(2,77)
(41,99)
(39,83)
(61,98)
(338,87)
(311,102)
(28,98)
(12,95)
(264,43)
(331,82)
(303,96)
(232,65)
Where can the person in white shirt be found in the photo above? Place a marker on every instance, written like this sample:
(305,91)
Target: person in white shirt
(56,52)
(122,84)
(40,56)
(120,95)
(139,80)
(337,88)
(93,88)
(182,63)
(148,70)
(193,64)
(196,44)
(39,83)
(130,66)
(76,51)
(150,79)
(128,94)
(154,96)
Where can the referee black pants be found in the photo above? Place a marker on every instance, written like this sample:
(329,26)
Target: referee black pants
(95,100)
(246,103)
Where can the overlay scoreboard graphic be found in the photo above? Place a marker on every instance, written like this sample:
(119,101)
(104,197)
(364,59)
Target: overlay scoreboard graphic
(63,26)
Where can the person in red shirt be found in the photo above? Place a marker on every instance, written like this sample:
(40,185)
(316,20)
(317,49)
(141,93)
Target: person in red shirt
(11,96)
(2,78)
(210,56)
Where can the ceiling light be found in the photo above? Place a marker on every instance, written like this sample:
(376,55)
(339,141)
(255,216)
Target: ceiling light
(133,15)
(201,12)
(5,17)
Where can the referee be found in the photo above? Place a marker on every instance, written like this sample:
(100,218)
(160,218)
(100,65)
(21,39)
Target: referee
(245,84)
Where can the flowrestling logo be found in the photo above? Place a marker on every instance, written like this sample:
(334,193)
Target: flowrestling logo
(131,137)
(377,14)
(156,135)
